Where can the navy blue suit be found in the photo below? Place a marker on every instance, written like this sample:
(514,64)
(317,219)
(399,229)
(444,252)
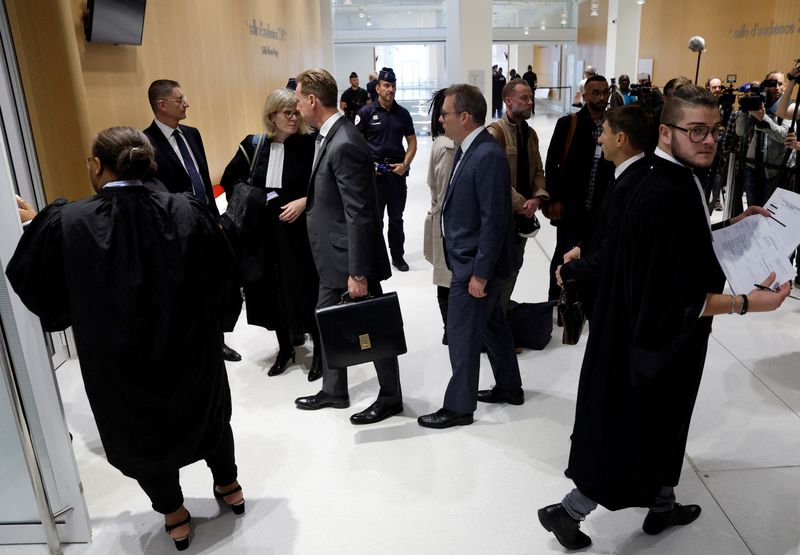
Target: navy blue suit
(479,240)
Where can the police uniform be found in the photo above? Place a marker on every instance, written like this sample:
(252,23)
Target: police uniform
(384,131)
(354,99)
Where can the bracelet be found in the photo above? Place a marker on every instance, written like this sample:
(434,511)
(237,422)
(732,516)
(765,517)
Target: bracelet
(745,305)
(733,304)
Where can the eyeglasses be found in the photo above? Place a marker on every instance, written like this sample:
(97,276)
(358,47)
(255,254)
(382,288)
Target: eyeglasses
(597,94)
(288,114)
(179,100)
(445,114)
(699,133)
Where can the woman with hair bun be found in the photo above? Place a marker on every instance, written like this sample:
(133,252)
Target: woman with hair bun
(278,273)
(140,276)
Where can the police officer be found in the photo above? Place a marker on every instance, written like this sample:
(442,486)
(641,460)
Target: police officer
(353,98)
(384,123)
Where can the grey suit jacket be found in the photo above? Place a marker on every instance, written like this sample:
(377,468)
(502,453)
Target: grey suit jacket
(341,210)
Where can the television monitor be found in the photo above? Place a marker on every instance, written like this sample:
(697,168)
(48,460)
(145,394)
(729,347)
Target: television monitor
(115,21)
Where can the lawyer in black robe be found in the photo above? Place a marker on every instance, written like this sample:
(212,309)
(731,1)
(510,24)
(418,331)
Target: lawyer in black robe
(645,356)
(140,276)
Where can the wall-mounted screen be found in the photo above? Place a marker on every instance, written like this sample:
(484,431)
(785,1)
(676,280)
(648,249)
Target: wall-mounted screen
(115,21)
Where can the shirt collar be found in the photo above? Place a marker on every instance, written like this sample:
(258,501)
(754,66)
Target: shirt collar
(165,129)
(122,183)
(467,142)
(661,154)
(624,166)
(326,127)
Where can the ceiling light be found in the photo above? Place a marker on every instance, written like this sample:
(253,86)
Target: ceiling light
(595,7)
(361,12)
(543,25)
(640,2)
(564,17)
(369,21)
(526,30)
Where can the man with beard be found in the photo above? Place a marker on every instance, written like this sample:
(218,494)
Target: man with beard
(765,133)
(521,145)
(658,290)
(576,173)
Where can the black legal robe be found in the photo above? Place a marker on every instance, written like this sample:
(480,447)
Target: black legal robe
(141,278)
(277,270)
(647,344)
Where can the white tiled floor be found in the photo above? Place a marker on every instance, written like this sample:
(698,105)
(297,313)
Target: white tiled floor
(316,484)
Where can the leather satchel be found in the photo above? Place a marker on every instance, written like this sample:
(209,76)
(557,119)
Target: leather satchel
(571,314)
(359,331)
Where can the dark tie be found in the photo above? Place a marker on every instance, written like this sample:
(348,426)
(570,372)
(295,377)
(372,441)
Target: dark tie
(197,182)
(459,152)
(317,146)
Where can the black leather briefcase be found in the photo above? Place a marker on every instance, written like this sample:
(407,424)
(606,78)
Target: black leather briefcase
(355,332)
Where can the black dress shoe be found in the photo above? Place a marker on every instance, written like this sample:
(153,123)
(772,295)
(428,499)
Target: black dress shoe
(281,362)
(400,264)
(444,418)
(556,519)
(229,354)
(497,395)
(655,523)
(376,412)
(322,400)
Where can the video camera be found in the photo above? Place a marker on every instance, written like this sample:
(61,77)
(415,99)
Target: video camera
(755,97)
(644,96)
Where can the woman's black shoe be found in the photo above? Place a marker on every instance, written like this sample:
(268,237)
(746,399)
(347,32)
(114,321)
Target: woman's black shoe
(281,362)
(315,372)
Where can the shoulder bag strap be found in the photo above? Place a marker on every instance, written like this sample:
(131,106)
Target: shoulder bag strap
(573,123)
(501,135)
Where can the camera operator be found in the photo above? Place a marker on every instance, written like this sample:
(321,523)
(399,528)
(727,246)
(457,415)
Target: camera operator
(622,95)
(786,107)
(764,133)
(712,185)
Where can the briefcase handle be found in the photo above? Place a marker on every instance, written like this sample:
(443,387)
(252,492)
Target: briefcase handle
(345,298)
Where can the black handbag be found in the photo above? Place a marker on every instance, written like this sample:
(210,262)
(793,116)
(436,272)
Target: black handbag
(531,323)
(571,314)
(358,331)
(236,210)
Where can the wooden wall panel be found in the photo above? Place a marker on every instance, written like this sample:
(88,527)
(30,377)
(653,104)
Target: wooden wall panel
(206,45)
(729,50)
(592,33)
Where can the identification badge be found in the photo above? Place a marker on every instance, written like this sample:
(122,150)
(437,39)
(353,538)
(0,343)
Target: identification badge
(598,151)
(271,195)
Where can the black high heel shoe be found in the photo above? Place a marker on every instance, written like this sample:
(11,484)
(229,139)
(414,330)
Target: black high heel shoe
(281,362)
(315,371)
(236,507)
(181,544)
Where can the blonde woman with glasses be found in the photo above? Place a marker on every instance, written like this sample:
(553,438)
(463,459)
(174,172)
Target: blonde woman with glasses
(278,274)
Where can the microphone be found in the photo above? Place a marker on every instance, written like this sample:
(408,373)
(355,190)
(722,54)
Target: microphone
(697,44)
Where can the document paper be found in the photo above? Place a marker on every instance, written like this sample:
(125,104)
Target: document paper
(752,248)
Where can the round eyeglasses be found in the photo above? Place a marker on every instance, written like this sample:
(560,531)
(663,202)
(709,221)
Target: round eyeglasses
(698,133)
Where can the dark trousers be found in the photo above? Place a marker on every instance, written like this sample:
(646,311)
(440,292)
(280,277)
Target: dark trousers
(566,238)
(165,492)
(334,380)
(758,187)
(392,194)
(472,322)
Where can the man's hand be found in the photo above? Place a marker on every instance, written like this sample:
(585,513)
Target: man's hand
(760,113)
(357,287)
(553,210)
(26,211)
(559,281)
(477,286)
(794,73)
(292,210)
(398,169)
(791,141)
(761,300)
(749,212)
(529,207)
(572,254)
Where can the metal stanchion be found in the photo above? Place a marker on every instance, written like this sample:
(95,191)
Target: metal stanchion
(29,450)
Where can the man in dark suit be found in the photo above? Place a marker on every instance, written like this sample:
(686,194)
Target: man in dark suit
(480,250)
(345,236)
(181,158)
(576,173)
